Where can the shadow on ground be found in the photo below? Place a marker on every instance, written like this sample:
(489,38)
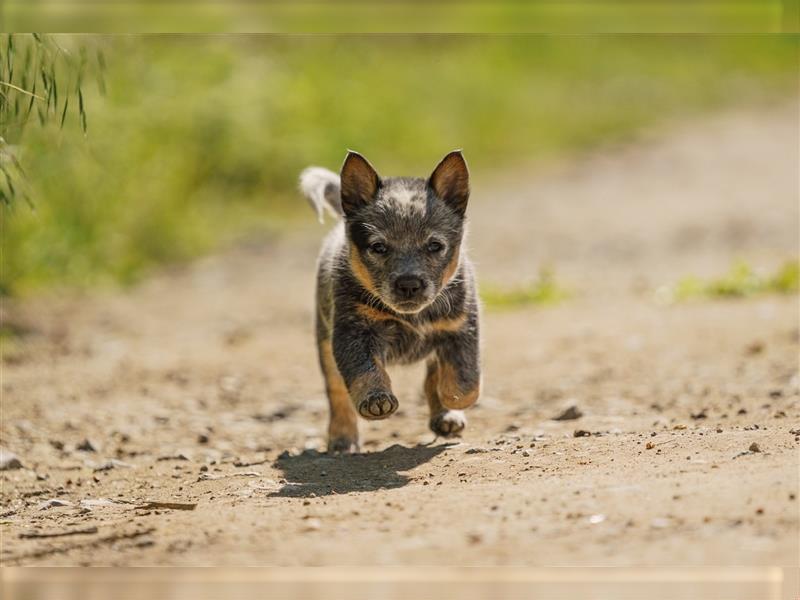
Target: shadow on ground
(318,474)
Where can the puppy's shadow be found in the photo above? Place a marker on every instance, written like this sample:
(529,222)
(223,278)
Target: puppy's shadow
(318,474)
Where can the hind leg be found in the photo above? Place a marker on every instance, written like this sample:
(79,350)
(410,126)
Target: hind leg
(443,421)
(343,425)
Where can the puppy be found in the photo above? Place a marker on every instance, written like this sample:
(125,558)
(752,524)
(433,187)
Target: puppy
(394,285)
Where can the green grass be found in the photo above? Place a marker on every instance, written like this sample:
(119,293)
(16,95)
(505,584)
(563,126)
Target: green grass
(199,139)
(41,82)
(544,291)
(741,281)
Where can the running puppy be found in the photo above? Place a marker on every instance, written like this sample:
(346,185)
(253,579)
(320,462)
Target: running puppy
(394,285)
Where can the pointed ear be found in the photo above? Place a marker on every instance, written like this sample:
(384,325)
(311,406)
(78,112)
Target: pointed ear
(450,181)
(359,182)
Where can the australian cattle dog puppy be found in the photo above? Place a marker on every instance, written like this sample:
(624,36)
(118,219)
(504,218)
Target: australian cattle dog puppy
(394,285)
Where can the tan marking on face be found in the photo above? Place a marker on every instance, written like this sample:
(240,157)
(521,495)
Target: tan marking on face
(372,381)
(343,422)
(360,271)
(451,268)
(450,395)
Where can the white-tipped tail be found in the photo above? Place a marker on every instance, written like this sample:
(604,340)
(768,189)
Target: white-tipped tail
(321,188)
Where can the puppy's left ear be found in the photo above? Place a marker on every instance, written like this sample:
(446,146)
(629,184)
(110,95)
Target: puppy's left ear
(450,181)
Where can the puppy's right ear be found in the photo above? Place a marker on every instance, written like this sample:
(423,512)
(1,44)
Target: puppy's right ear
(360,182)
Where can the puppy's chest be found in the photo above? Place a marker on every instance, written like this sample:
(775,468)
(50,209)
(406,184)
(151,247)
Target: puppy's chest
(406,342)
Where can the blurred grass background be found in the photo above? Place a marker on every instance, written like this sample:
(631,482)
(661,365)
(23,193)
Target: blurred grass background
(198,140)
(399,16)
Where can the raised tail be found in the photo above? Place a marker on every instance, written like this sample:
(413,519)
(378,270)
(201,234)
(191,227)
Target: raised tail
(321,188)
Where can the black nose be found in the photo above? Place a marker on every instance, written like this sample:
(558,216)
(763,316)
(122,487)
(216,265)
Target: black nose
(408,286)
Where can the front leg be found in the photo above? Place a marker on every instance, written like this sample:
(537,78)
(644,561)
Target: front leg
(443,421)
(457,367)
(453,379)
(359,356)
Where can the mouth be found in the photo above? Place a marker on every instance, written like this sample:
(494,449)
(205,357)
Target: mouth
(409,306)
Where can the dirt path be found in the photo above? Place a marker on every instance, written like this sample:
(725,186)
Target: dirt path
(201,387)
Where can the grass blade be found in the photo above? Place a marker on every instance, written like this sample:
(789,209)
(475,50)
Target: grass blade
(19,89)
(64,112)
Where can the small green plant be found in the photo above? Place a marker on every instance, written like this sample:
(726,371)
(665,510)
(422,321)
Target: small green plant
(740,282)
(545,290)
(787,279)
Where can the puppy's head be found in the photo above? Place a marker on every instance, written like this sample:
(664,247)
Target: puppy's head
(405,233)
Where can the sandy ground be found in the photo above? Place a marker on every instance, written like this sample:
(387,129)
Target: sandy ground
(201,387)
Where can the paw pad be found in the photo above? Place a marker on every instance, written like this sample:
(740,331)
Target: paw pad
(378,405)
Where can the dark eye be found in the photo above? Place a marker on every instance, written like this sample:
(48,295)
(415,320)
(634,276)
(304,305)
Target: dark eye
(378,248)
(434,246)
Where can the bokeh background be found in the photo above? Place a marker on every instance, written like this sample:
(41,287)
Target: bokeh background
(402,16)
(182,144)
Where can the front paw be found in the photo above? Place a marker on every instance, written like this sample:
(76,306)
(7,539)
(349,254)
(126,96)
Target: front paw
(448,423)
(378,405)
(342,445)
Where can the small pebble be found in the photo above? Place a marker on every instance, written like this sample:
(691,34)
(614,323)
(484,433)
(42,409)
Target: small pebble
(9,461)
(53,503)
(756,347)
(595,519)
(86,446)
(313,525)
(569,414)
